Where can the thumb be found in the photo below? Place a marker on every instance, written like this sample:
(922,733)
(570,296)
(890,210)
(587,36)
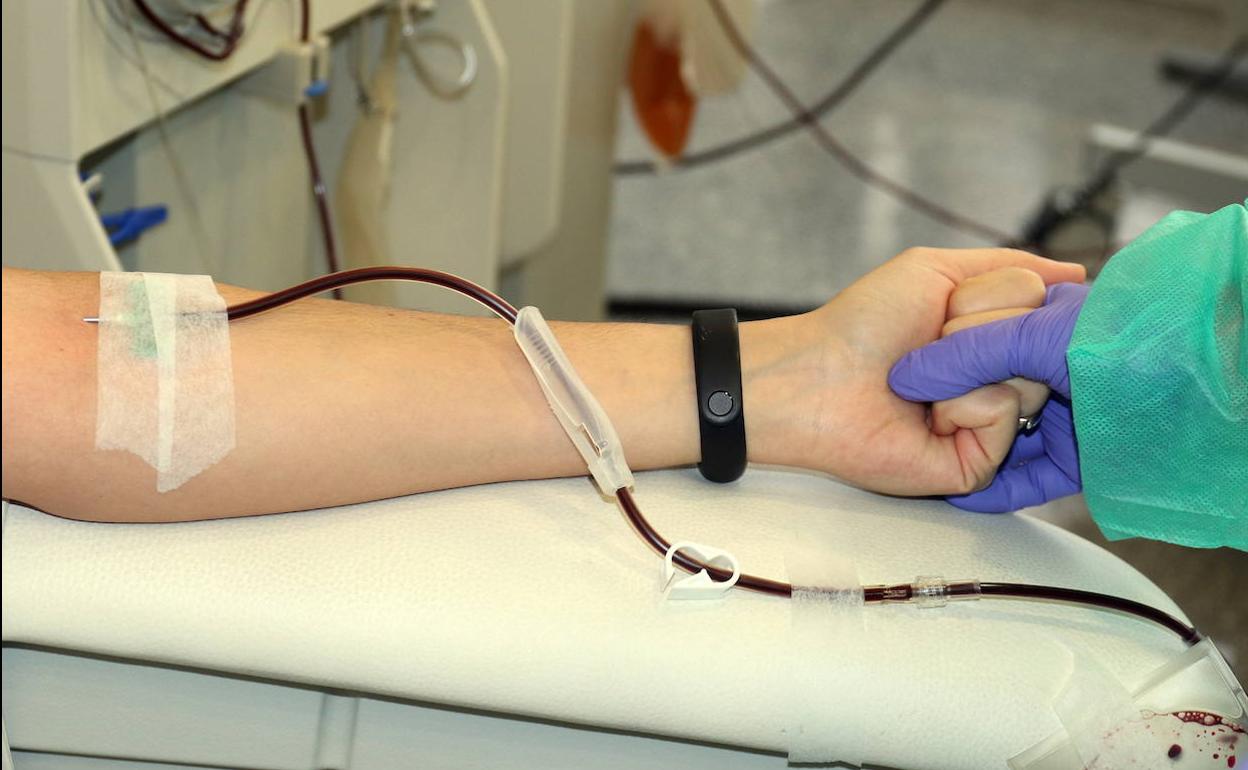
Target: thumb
(959,363)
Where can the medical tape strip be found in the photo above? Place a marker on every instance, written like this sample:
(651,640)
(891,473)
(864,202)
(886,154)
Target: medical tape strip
(1092,705)
(1190,708)
(165,377)
(827,627)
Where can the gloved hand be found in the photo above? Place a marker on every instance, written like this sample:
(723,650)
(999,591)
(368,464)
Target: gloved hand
(817,383)
(1043,464)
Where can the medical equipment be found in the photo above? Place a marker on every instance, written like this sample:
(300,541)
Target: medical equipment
(817,111)
(596,441)
(413,36)
(662,100)
(127,225)
(81,93)
(210,42)
(305,55)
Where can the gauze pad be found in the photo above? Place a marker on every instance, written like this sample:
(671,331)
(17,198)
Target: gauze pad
(166,383)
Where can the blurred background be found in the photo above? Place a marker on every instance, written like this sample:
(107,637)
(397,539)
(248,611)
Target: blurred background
(986,108)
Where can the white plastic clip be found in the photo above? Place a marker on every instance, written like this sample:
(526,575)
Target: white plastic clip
(580,414)
(298,70)
(700,585)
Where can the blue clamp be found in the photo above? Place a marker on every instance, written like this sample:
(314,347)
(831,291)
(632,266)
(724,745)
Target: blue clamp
(127,225)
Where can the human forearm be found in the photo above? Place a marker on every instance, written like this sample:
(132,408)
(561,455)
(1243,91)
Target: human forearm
(339,403)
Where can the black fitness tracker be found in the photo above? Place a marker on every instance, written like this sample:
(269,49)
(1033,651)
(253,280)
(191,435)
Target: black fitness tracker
(721,413)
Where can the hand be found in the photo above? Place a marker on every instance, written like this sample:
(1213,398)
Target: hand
(983,419)
(1042,464)
(1003,293)
(817,385)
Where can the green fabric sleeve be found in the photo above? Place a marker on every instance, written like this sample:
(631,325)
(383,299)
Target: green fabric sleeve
(1159,379)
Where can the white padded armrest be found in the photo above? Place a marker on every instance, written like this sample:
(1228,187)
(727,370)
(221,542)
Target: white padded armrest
(537,599)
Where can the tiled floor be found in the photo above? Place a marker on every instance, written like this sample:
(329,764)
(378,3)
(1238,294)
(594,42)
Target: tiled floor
(984,109)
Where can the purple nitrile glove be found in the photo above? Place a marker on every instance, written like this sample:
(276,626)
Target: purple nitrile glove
(1043,464)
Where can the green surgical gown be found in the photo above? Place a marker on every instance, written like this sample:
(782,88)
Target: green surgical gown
(1159,380)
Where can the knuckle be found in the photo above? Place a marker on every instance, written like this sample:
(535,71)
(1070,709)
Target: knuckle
(917,254)
(1004,402)
(1024,277)
(972,481)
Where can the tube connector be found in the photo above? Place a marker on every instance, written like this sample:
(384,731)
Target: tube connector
(580,414)
(934,591)
(926,591)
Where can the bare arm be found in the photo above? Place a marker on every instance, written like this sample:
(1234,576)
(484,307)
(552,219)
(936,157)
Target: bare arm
(338,402)
(335,403)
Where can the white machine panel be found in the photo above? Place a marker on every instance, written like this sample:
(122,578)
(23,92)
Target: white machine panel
(72,82)
(537,36)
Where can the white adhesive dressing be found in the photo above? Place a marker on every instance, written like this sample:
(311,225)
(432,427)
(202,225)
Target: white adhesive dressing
(826,616)
(166,383)
(1189,713)
(1091,706)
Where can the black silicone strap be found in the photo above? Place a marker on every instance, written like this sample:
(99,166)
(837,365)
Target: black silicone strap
(721,413)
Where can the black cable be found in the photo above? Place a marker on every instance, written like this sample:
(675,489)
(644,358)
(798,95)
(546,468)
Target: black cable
(818,110)
(832,145)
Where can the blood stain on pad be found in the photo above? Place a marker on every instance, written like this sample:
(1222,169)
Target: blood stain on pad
(1178,739)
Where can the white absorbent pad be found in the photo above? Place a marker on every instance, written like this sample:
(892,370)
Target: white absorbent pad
(536,599)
